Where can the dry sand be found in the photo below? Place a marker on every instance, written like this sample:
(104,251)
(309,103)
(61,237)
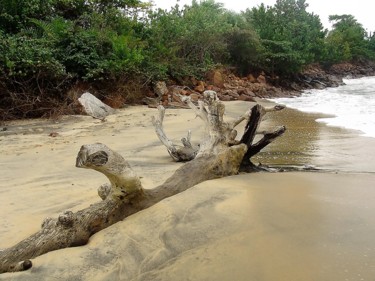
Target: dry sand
(285,226)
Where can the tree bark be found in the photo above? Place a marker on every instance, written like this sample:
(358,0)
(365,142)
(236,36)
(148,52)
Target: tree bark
(219,155)
(178,153)
(251,130)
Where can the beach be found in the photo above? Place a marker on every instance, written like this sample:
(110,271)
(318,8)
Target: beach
(264,226)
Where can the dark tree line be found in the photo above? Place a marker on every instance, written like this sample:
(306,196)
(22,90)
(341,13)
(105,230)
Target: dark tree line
(51,49)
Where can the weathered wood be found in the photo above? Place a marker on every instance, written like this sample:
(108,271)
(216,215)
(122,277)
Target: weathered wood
(72,229)
(219,134)
(252,129)
(178,153)
(212,114)
(252,125)
(124,181)
(219,155)
(125,195)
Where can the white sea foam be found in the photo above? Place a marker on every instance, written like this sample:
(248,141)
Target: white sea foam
(353,105)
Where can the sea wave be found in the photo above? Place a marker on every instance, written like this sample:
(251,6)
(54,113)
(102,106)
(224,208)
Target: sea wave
(351,105)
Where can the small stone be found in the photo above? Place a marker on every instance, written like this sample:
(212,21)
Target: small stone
(27,264)
(165,97)
(226,98)
(54,134)
(246,92)
(200,87)
(216,78)
(232,93)
(262,79)
(251,78)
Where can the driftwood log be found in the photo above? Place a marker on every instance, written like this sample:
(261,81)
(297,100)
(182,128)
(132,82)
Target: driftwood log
(187,152)
(218,155)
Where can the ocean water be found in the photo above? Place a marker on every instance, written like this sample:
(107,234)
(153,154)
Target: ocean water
(352,105)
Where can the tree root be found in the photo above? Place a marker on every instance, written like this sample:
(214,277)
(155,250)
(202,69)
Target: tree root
(219,155)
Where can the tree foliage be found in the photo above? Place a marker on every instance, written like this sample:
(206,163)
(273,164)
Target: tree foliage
(347,40)
(291,36)
(243,44)
(48,47)
(189,40)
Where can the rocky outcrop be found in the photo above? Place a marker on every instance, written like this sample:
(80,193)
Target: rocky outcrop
(316,77)
(353,70)
(230,87)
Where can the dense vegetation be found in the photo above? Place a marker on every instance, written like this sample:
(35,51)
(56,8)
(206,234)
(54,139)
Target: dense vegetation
(51,50)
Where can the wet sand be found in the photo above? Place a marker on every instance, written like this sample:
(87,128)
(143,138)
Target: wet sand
(308,142)
(284,226)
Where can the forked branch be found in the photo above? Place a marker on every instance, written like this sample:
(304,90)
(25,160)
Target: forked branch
(178,153)
(221,134)
(219,155)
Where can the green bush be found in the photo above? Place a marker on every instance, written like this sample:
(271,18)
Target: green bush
(191,40)
(291,36)
(243,44)
(347,40)
(122,46)
(25,57)
(15,14)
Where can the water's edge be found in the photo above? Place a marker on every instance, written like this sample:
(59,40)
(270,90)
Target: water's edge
(351,106)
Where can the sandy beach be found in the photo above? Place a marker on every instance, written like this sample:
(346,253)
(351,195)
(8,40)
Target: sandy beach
(261,227)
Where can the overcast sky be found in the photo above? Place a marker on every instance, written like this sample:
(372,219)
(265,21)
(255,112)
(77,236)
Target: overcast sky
(361,9)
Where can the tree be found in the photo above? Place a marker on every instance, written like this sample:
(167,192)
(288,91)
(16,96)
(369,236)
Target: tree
(371,45)
(243,44)
(49,45)
(189,40)
(291,37)
(219,155)
(346,41)
(14,15)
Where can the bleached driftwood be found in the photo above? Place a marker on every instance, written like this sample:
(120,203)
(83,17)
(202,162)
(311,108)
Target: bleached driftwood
(95,107)
(219,155)
(211,112)
(178,153)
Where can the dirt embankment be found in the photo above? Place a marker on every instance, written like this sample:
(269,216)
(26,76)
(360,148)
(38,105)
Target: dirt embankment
(259,85)
(228,86)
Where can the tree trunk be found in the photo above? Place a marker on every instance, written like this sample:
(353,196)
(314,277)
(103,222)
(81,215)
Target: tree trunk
(178,153)
(219,155)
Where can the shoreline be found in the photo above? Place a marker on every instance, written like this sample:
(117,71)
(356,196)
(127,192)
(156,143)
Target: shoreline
(312,143)
(183,235)
(228,86)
